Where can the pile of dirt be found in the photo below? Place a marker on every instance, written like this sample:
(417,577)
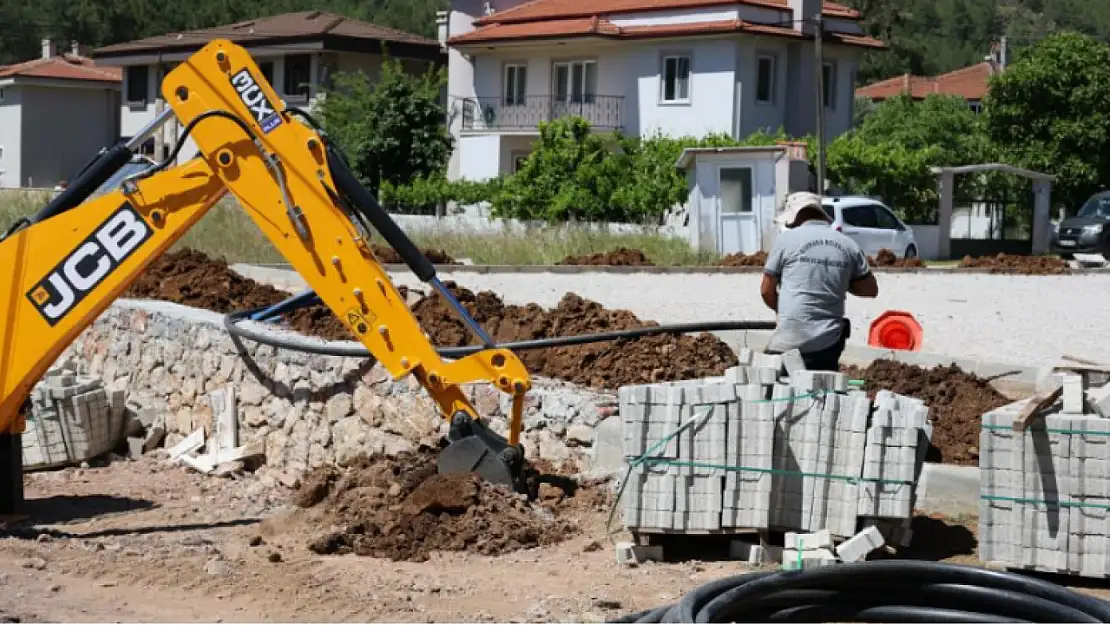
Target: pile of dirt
(402,509)
(958,399)
(389,256)
(608,365)
(758,259)
(1018,265)
(618,257)
(191,278)
(887,258)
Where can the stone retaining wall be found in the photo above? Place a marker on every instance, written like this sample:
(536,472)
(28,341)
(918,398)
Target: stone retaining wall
(309,409)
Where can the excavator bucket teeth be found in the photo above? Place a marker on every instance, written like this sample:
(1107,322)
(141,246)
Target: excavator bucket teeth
(472,455)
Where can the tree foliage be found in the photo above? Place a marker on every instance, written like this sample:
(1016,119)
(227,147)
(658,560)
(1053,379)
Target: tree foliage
(1049,113)
(391,130)
(891,152)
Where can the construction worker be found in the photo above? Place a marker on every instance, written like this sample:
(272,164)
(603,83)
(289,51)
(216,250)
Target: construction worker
(809,272)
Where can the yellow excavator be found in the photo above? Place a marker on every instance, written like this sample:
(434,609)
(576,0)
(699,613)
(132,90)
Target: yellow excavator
(62,267)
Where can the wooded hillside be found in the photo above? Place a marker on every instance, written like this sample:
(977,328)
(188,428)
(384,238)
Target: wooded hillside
(927,36)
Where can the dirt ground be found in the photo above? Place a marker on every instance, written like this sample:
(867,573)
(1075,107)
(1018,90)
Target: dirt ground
(145,541)
(887,258)
(618,257)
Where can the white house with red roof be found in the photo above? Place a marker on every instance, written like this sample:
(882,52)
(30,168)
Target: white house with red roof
(56,112)
(679,67)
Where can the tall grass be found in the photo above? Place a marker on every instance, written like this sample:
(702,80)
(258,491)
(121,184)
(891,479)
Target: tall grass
(228,232)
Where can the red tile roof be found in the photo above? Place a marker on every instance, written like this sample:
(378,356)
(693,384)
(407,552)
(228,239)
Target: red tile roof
(970,83)
(302,25)
(65,67)
(566,9)
(597,27)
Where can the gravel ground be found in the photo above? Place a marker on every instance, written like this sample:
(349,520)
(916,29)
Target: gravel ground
(1022,320)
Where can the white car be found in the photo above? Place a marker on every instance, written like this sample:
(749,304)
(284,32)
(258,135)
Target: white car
(871,225)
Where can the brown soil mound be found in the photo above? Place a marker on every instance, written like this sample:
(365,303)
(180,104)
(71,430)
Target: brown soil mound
(1017,264)
(601,365)
(958,399)
(621,256)
(744,260)
(190,278)
(389,256)
(404,510)
(887,258)
(193,279)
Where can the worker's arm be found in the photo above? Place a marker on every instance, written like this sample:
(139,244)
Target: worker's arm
(863,283)
(772,275)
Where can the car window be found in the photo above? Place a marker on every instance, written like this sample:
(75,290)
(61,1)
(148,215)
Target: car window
(862,216)
(886,219)
(829,210)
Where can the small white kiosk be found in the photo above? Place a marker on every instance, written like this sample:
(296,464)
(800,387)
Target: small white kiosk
(736,192)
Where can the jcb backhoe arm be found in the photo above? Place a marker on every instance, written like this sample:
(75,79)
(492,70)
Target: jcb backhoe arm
(60,269)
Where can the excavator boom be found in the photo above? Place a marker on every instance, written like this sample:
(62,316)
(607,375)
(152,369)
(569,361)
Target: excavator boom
(60,269)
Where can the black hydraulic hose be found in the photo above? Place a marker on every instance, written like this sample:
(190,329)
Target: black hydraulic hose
(231,322)
(892,591)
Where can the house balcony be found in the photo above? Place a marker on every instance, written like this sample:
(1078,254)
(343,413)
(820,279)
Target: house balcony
(525,114)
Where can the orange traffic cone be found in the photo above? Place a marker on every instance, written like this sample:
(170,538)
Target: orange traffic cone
(895,329)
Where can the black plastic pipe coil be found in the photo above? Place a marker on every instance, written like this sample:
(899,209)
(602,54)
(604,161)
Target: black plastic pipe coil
(891,591)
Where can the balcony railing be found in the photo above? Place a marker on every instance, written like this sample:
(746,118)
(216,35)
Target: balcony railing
(604,112)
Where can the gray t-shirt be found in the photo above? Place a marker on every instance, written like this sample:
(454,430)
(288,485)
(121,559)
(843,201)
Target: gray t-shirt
(815,266)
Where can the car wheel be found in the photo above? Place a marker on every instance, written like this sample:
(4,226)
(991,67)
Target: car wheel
(911,251)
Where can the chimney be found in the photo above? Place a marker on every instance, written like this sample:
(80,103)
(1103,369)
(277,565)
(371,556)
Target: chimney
(443,27)
(49,49)
(76,49)
(805,10)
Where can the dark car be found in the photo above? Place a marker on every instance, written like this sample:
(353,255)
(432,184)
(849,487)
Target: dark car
(1086,233)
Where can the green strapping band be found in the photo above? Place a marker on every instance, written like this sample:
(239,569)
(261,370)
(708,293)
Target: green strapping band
(1049,430)
(851,479)
(1062,504)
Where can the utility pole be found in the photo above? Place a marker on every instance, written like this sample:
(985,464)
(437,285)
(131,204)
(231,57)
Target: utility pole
(1002,53)
(818,35)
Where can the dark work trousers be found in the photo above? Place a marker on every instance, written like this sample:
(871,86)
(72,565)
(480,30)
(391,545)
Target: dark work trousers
(827,359)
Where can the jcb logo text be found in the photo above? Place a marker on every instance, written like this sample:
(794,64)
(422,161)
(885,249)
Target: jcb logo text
(88,265)
(251,95)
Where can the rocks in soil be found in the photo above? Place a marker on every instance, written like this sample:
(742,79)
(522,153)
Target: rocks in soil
(758,259)
(887,258)
(1018,264)
(958,400)
(618,257)
(402,509)
(191,278)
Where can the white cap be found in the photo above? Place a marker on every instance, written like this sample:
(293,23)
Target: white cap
(797,201)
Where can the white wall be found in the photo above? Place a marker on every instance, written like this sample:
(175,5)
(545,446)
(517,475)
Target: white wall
(712,88)
(480,157)
(11,137)
(473,224)
(64,128)
(755,115)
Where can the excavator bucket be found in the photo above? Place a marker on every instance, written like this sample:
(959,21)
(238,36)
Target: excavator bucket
(474,448)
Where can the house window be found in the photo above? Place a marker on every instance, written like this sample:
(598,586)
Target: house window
(575,81)
(828,77)
(516,80)
(298,74)
(267,69)
(138,77)
(676,79)
(518,161)
(976,107)
(765,79)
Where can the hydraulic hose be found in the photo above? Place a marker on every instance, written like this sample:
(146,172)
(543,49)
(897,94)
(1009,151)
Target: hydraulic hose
(316,346)
(892,591)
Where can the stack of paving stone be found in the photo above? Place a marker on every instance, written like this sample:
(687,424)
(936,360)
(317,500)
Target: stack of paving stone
(1045,499)
(72,418)
(769,445)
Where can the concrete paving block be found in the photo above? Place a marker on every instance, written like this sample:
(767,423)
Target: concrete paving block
(1073,395)
(859,546)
